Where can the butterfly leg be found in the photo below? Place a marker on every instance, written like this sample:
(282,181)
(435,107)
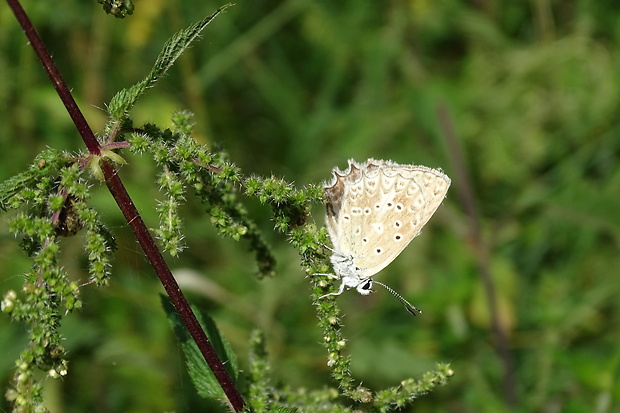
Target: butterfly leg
(334,276)
(340,290)
(327,247)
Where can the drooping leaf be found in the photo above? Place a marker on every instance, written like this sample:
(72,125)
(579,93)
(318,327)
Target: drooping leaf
(203,378)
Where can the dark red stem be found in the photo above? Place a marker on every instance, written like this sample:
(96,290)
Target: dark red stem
(118,191)
(170,284)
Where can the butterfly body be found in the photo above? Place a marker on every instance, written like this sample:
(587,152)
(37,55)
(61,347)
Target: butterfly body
(374,209)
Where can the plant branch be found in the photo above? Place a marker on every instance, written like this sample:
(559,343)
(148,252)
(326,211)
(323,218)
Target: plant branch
(130,212)
(466,195)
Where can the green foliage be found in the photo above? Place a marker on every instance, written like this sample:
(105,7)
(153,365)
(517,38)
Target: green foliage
(118,8)
(185,163)
(292,90)
(47,163)
(261,390)
(203,378)
(399,397)
(51,197)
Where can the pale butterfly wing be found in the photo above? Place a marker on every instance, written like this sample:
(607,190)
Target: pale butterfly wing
(376,208)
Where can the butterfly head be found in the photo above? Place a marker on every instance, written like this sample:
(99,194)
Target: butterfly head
(350,273)
(365,287)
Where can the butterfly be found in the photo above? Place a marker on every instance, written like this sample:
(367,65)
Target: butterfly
(374,210)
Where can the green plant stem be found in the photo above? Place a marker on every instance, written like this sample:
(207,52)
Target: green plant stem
(118,191)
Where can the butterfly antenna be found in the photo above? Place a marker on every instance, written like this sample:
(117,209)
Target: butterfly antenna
(408,306)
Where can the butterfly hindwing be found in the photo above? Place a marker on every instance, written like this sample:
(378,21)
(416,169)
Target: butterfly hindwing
(376,208)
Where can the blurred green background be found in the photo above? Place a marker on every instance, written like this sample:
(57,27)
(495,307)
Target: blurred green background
(294,88)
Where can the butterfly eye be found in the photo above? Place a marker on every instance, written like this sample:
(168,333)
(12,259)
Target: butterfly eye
(367,285)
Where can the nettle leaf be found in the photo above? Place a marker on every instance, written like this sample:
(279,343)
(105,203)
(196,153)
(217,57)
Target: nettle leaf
(203,378)
(173,48)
